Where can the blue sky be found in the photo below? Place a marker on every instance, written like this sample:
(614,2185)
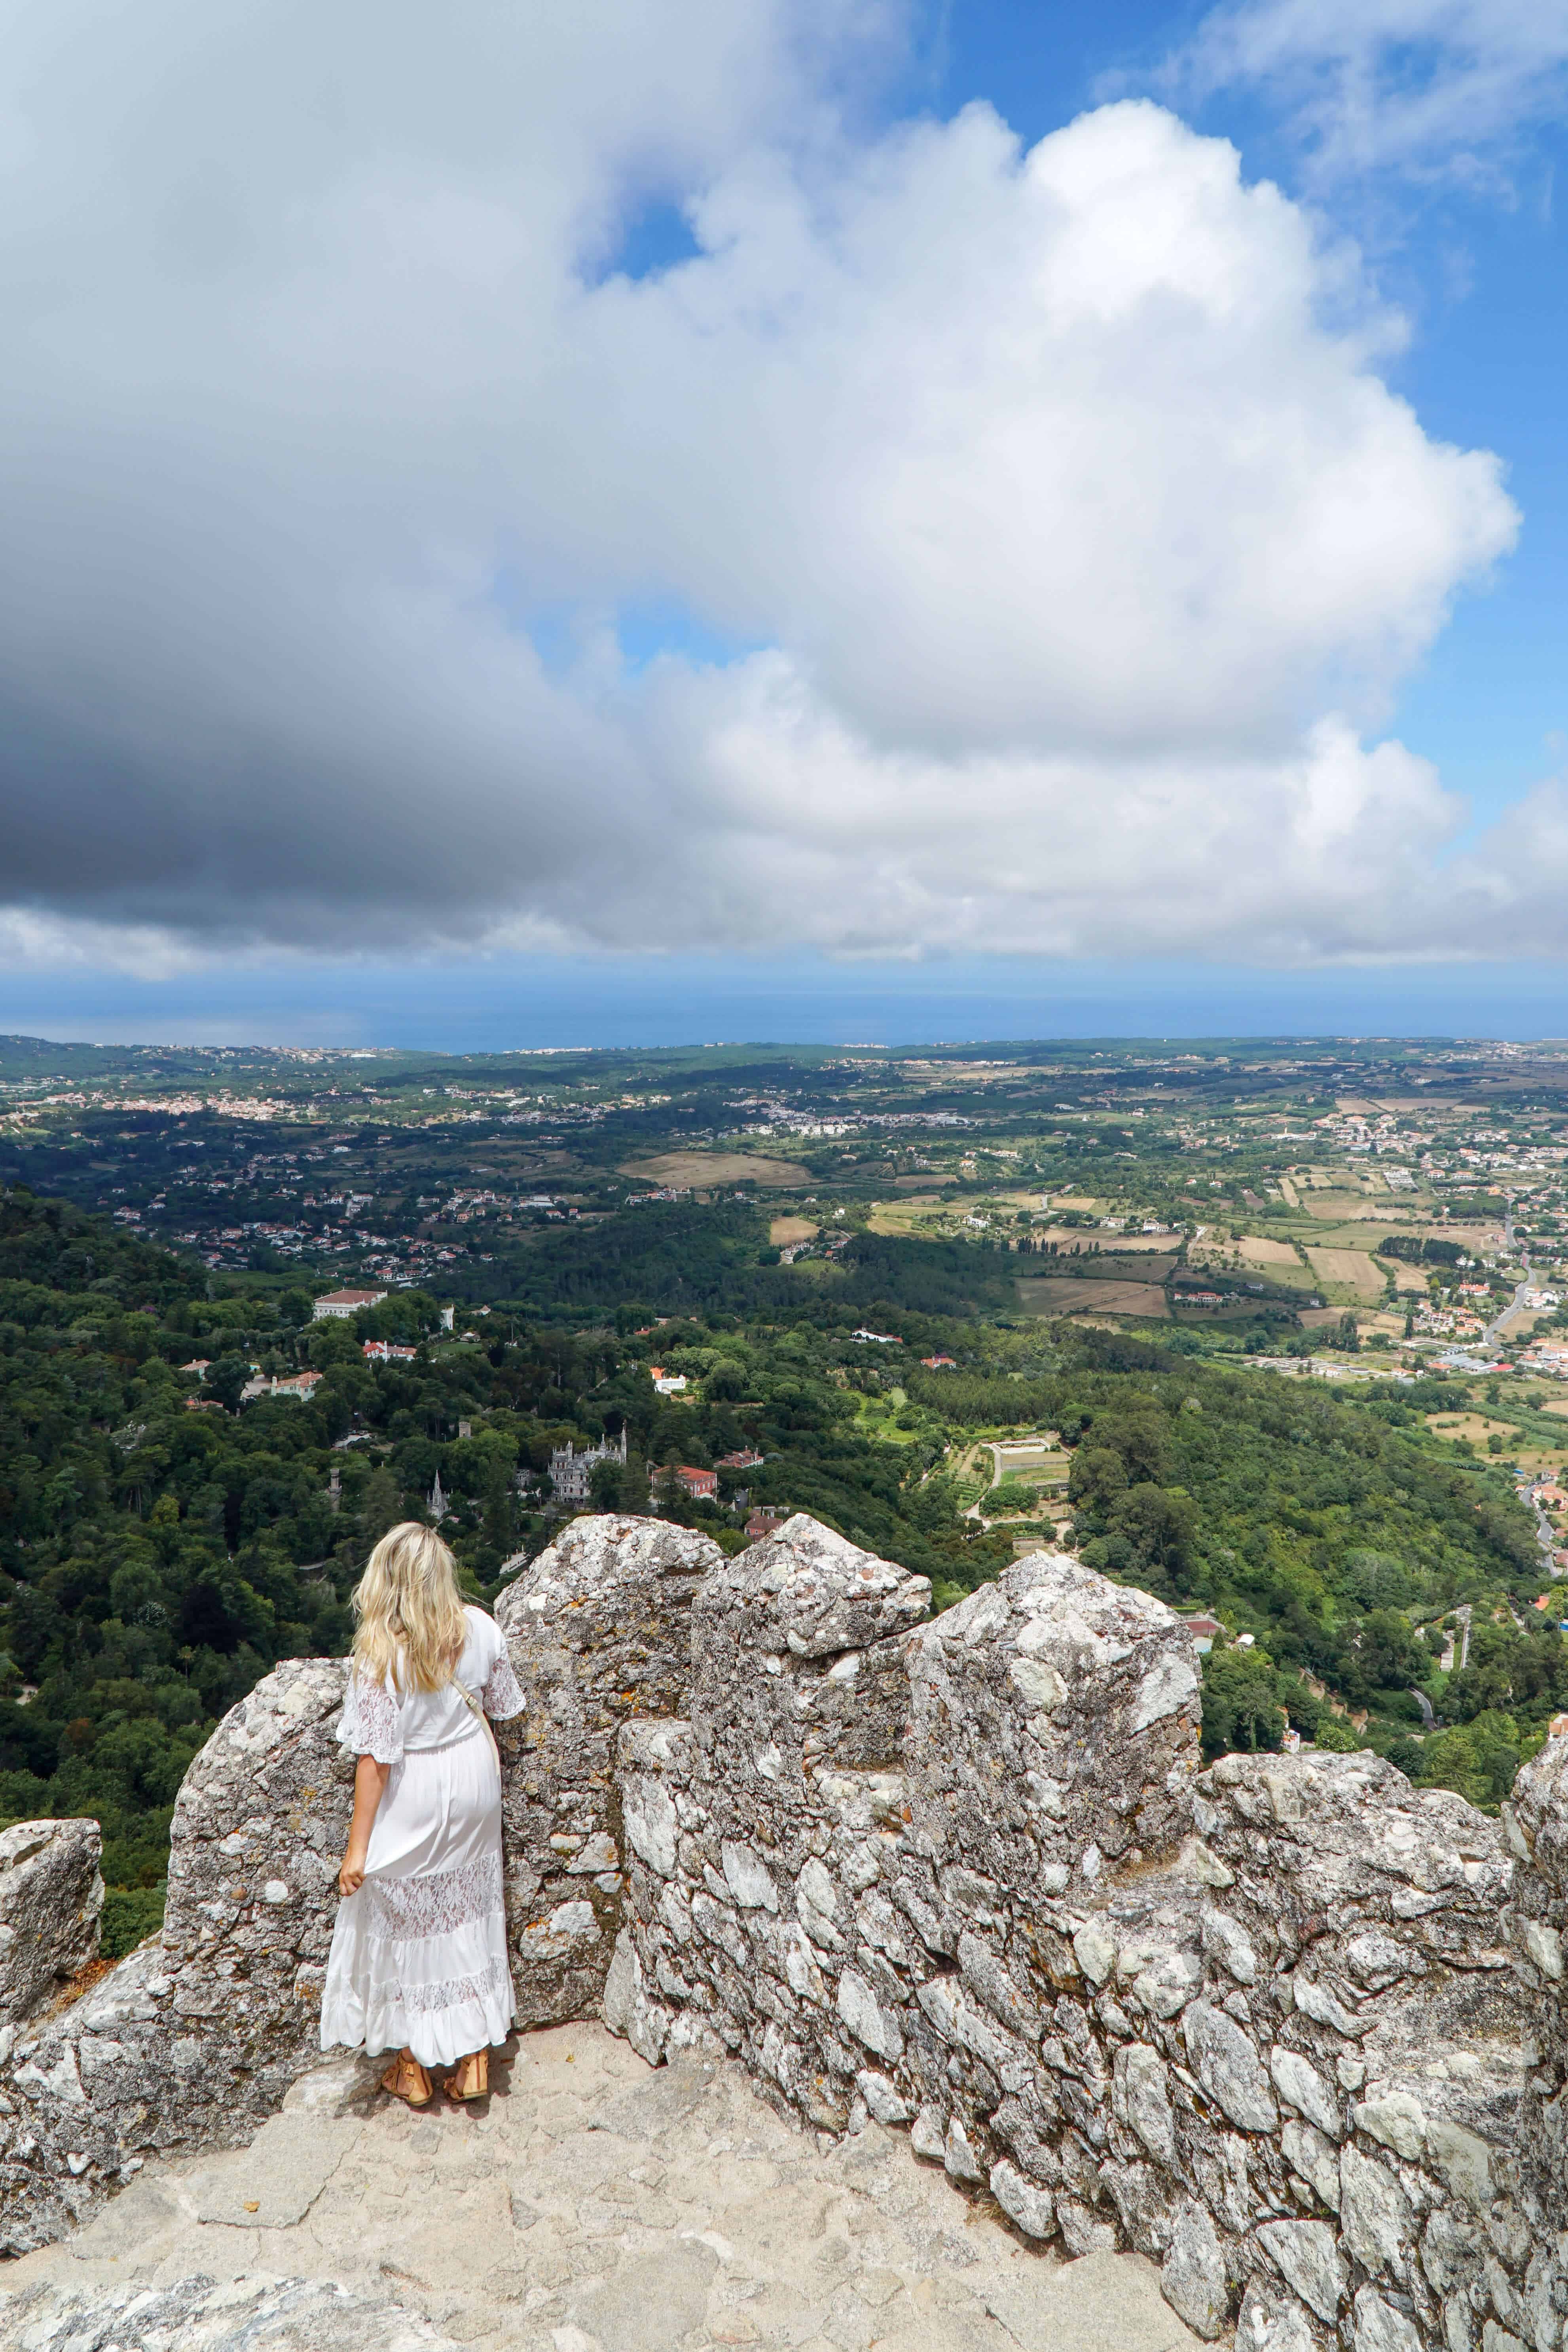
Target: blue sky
(814,517)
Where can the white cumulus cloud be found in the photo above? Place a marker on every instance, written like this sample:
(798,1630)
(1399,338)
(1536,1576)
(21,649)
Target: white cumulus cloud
(961,546)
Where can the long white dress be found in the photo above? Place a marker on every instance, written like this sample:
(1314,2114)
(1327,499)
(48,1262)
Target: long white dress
(418,1958)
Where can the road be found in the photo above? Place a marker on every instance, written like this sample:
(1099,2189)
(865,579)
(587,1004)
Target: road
(1545,1533)
(1491,1335)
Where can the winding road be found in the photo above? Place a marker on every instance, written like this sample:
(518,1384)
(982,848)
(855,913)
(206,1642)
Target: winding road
(1489,1336)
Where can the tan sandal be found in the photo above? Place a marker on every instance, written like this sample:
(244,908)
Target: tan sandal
(471,2078)
(407,2079)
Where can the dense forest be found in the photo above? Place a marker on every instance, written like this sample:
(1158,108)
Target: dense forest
(163,1541)
(685,1257)
(164,1538)
(1329,1529)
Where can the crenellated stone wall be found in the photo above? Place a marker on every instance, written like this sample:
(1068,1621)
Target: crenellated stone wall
(599,1633)
(195,2039)
(1286,2025)
(1262,2023)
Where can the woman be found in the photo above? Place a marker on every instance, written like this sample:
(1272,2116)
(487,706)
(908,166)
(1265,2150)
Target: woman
(419,1962)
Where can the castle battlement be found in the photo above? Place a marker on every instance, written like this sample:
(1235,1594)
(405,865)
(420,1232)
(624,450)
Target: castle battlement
(1286,2025)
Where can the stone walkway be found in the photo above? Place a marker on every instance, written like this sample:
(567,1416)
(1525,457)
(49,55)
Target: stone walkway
(591,2205)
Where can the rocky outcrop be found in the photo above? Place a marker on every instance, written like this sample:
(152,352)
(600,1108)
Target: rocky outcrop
(1286,2026)
(599,1632)
(51,1894)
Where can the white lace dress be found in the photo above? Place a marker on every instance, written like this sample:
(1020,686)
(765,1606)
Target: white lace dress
(418,1958)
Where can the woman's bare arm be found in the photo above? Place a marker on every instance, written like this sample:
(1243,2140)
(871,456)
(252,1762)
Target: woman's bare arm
(370,1787)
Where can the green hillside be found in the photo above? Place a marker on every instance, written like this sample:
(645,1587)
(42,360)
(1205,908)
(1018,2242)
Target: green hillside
(163,1543)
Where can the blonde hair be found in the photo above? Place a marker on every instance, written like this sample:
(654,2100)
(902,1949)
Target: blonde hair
(409,1612)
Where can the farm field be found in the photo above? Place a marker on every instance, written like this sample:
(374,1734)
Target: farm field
(1476,1426)
(1121,1265)
(1347,1269)
(1256,1249)
(1060,1295)
(783,1230)
(1405,1278)
(1078,1241)
(895,1217)
(696,1169)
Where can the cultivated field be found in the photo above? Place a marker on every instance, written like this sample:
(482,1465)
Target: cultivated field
(1405,1278)
(904,1216)
(1258,1250)
(696,1169)
(1475,1426)
(1060,1295)
(785,1229)
(1349,1269)
(1077,1241)
(1119,1266)
(1355,1209)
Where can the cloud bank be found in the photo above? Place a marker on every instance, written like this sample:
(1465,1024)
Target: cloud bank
(1430,88)
(958,548)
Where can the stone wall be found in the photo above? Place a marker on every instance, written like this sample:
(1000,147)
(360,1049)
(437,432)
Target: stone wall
(1286,2025)
(599,1633)
(51,1895)
(1262,2023)
(195,2039)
